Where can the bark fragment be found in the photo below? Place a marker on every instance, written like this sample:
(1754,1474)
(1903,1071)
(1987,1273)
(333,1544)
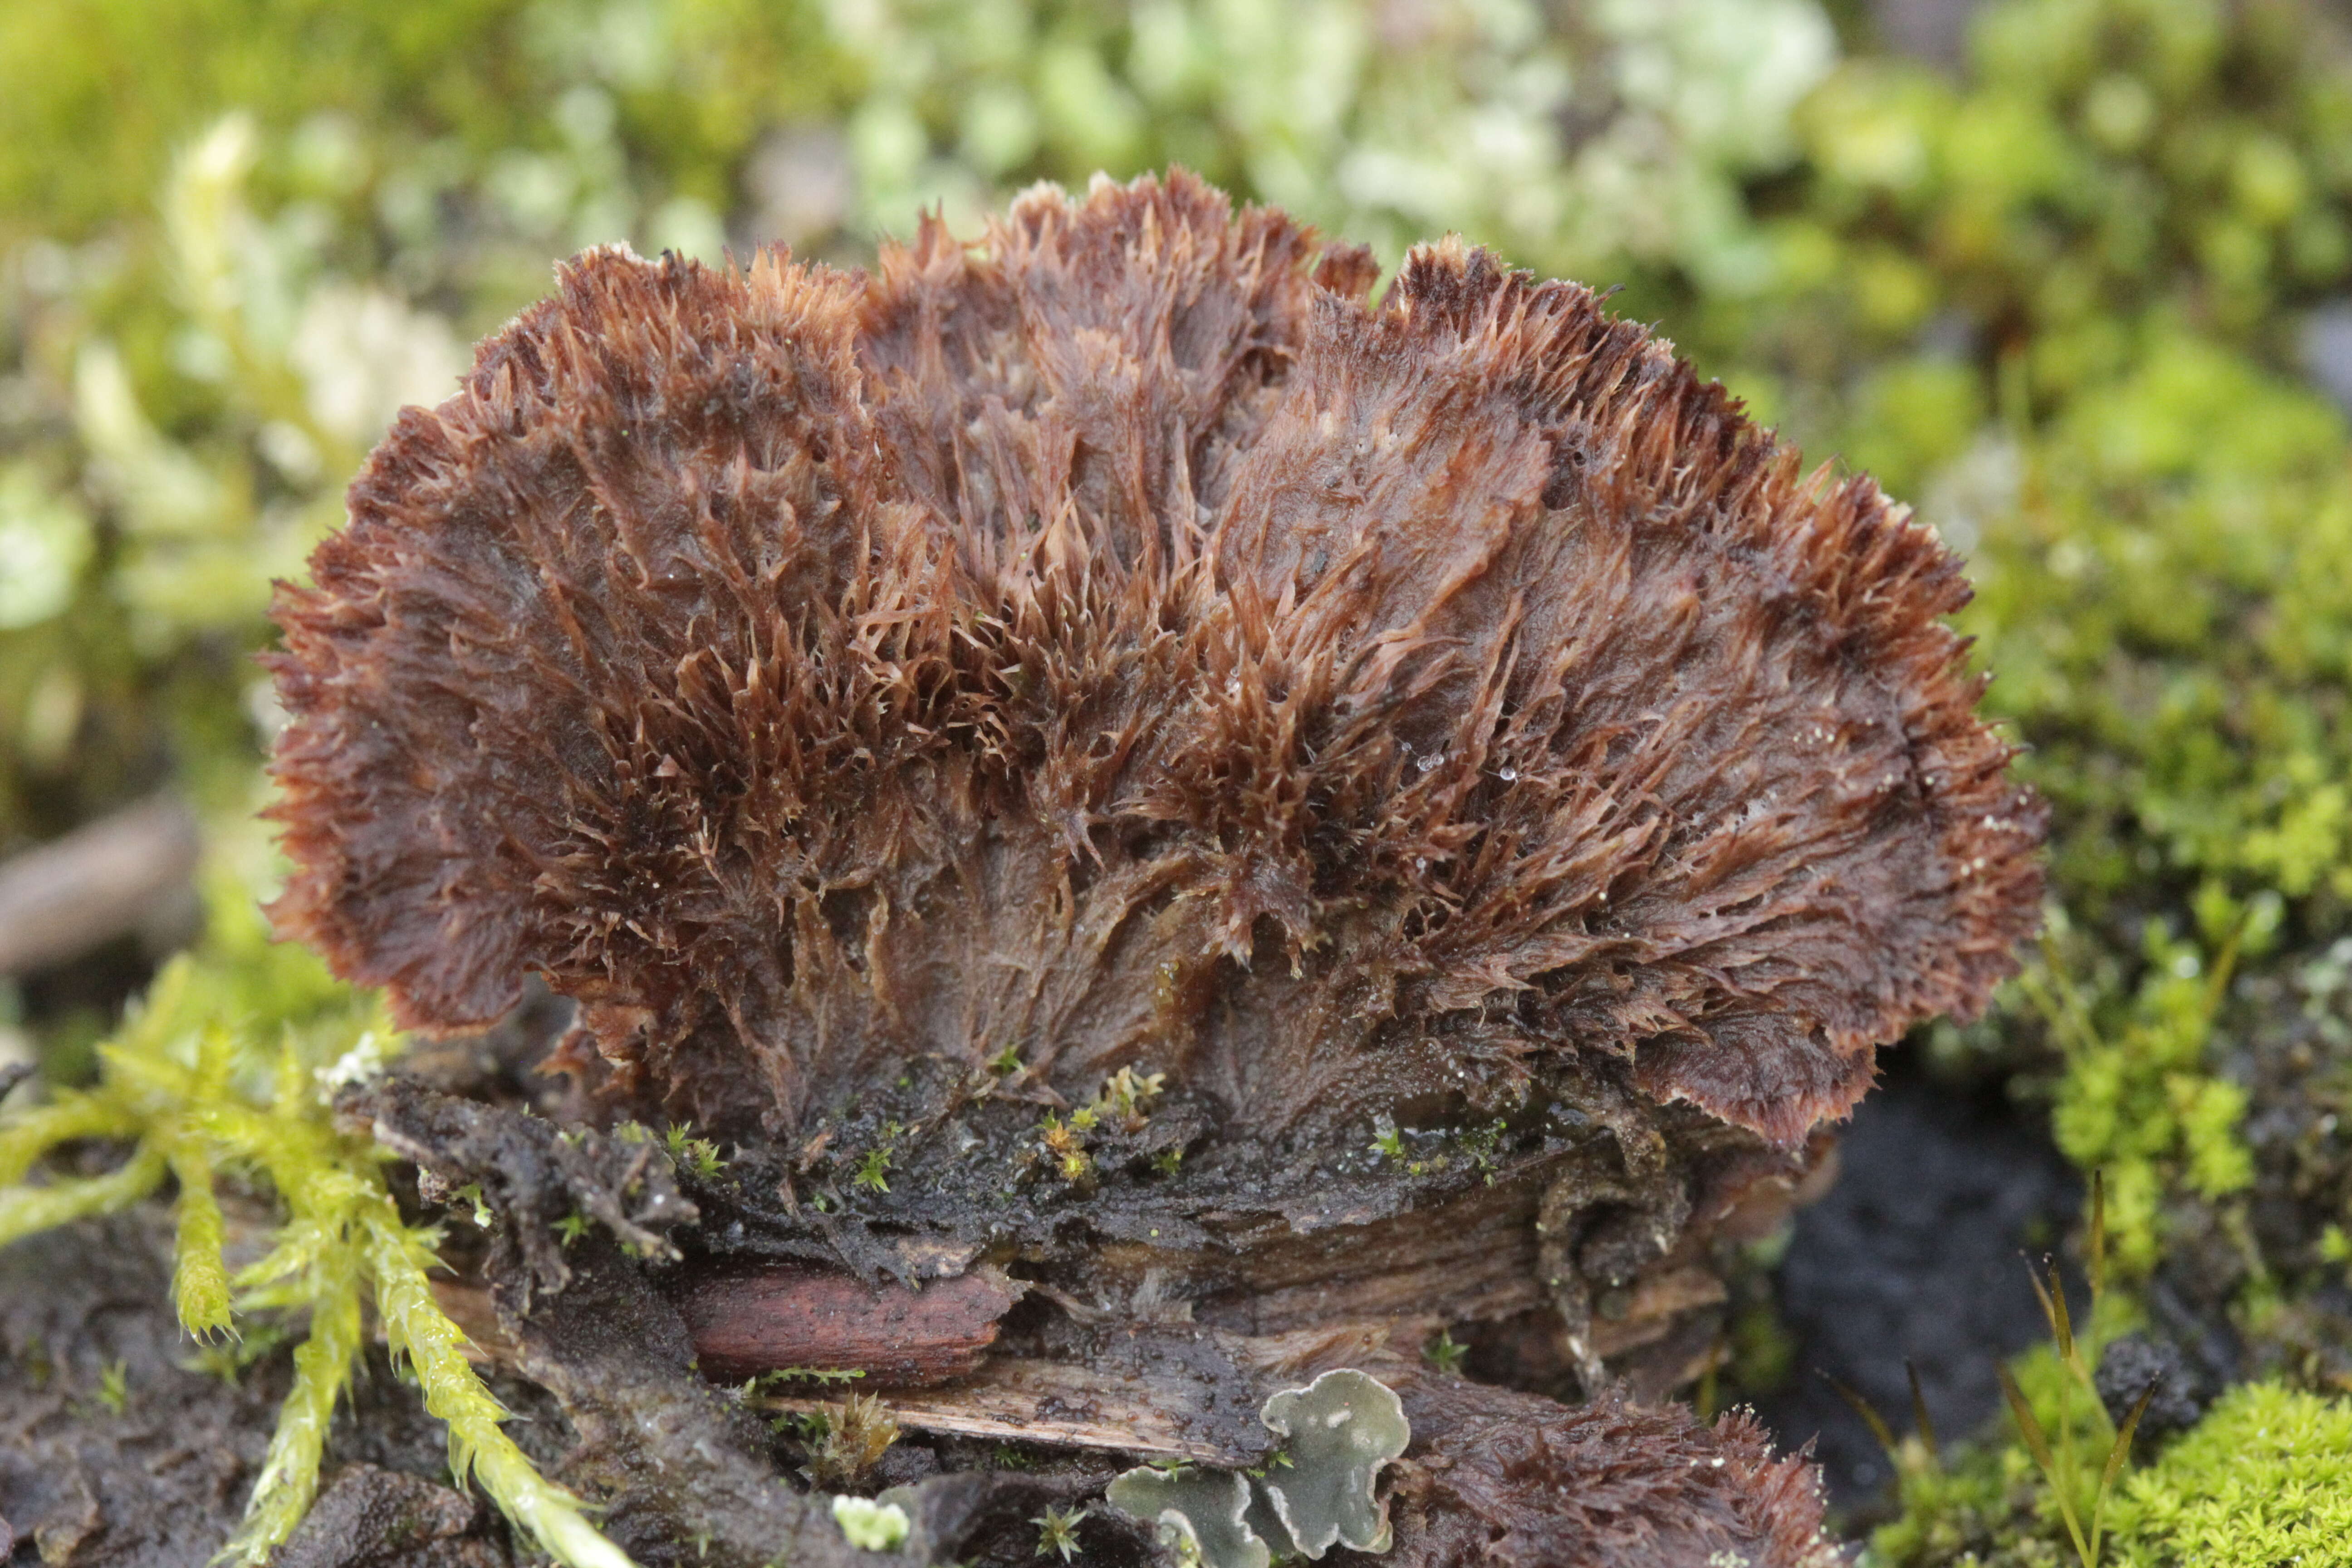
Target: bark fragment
(744,1323)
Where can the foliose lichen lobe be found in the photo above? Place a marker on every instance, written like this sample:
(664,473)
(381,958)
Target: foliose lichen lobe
(1123,640)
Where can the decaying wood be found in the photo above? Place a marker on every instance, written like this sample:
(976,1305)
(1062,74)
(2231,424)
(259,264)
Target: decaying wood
(1108,1357)
(1649,1484)
(108,878)
(1173,1395)
(748,1322)
(1057,1404)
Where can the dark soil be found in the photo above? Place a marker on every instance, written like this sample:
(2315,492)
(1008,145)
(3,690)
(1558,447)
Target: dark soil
(115,1449)
(1918,1251)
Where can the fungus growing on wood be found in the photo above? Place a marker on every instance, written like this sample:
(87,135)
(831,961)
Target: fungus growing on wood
(1126,644)
(1112,755)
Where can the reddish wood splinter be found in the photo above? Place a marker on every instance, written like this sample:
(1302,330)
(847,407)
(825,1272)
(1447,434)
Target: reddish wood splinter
(744,1324)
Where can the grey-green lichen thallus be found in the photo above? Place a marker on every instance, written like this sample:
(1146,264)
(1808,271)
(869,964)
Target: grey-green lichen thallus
(1340,1432)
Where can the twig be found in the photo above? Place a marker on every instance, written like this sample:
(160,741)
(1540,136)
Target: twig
(97,883)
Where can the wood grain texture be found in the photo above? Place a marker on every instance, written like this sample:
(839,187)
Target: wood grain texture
(746,1323)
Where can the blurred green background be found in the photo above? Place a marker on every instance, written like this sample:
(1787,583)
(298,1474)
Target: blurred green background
(2074,276)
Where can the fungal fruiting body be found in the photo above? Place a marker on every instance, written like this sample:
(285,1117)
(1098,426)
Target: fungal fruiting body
(1391,811)
(1122,642)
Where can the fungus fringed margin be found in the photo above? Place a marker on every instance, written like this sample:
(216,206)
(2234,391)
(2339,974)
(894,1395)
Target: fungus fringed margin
(1122,640)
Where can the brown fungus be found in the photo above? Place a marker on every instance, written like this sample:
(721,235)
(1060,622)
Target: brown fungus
(1053,747)
(1121,643)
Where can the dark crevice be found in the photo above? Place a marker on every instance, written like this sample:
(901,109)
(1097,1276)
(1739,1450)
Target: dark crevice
(1918,1251)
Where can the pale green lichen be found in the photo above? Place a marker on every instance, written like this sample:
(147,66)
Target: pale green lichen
(1344,1428)
(1319,1490)
(1202,1514)
(870,1525)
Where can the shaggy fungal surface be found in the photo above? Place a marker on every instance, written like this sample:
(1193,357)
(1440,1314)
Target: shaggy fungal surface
(1121,642)
(1184,827)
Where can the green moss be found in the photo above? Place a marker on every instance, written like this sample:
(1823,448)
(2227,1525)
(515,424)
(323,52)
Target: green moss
(2057,301)
(2165,609)
(224,275)
(2265,1479)
(2139,1102)
(1383,130)
(124,82)
(224,1072)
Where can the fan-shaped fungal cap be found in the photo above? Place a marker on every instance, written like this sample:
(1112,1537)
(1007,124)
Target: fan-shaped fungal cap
(1119,640)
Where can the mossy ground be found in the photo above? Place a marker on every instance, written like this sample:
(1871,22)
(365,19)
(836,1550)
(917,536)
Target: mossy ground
(2068,301)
